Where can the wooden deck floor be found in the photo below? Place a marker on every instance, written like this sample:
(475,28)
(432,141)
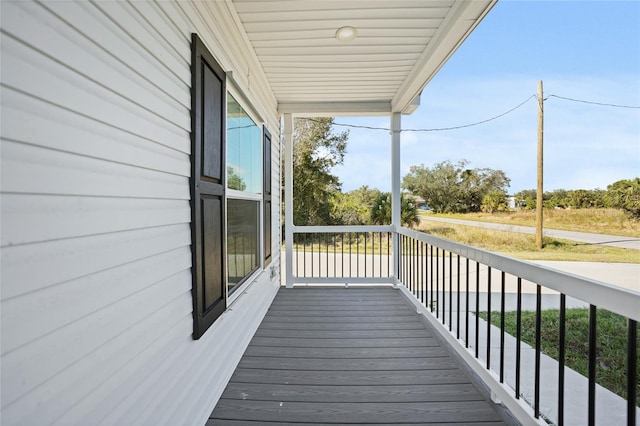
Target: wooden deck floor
(349,356)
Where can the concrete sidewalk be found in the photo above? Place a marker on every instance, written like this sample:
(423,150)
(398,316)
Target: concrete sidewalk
(583,237)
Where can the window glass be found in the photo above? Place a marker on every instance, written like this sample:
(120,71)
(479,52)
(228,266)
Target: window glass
(244,176)
(242,240)
(244,154)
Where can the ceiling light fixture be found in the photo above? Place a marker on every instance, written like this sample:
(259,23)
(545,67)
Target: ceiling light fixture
(346,33)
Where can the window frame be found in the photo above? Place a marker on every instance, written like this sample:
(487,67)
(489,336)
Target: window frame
(267,226)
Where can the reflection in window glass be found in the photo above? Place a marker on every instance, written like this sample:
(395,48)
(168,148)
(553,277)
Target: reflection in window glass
(242,240)
(244,155)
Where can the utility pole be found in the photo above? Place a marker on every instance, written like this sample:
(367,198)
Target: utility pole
(539,216)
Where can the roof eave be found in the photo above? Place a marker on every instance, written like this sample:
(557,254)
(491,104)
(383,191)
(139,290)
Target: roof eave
(460,22)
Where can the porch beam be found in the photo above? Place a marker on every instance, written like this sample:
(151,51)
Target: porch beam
(396,223)
(333,109)
(288,198)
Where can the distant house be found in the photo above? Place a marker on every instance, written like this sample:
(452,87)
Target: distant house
(418,201)
(141,148)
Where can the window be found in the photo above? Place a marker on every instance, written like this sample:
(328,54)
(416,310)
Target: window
(244,184)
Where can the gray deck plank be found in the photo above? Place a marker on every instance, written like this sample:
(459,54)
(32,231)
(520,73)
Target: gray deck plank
(295,304)
(288,325)
(367,321)
(352,342)
(346,378)
(218,422)
(337,306)
(348,364)
(349,356)
(372,413)
(342,394)
(381,300)
(341,334)
(340,315)
(341,353)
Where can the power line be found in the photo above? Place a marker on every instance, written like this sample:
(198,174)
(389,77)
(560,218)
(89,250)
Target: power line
(477,123)
(593,103)
(439,129)
(472,124)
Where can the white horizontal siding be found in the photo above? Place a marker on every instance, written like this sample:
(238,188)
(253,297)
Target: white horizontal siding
(38,123)
(31,218)
(95,233)
(146,69)
(23,72)
(31,167)
(32,267)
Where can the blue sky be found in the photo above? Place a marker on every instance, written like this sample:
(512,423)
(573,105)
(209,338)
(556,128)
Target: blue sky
(586,50)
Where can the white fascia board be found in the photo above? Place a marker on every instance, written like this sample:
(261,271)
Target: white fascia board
(459,23)
(333,109)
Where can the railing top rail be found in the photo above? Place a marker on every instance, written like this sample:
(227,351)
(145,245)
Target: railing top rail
(342,228)
(615,299)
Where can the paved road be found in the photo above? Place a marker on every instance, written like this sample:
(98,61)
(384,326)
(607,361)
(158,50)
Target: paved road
(583,237)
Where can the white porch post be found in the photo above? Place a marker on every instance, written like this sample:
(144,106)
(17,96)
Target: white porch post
(396,221)
(288,198)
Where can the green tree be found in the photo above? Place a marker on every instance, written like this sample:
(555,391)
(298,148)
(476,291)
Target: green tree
(585,198)
(408,212)
(381,210)
(526,199)
(555,198)
(477,183)
(494,201)
(438,186)
(625,194)
(316,150)
(454,188)
(354,207)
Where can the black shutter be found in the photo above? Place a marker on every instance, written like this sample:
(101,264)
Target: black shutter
(208,113)
(266,182)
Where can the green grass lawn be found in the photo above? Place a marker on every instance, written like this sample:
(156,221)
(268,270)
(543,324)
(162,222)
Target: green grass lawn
(611,344)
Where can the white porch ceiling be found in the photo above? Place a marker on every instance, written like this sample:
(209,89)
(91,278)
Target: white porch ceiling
(400,45)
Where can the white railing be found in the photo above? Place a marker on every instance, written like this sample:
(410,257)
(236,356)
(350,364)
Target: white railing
(342,254)
(454,283)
